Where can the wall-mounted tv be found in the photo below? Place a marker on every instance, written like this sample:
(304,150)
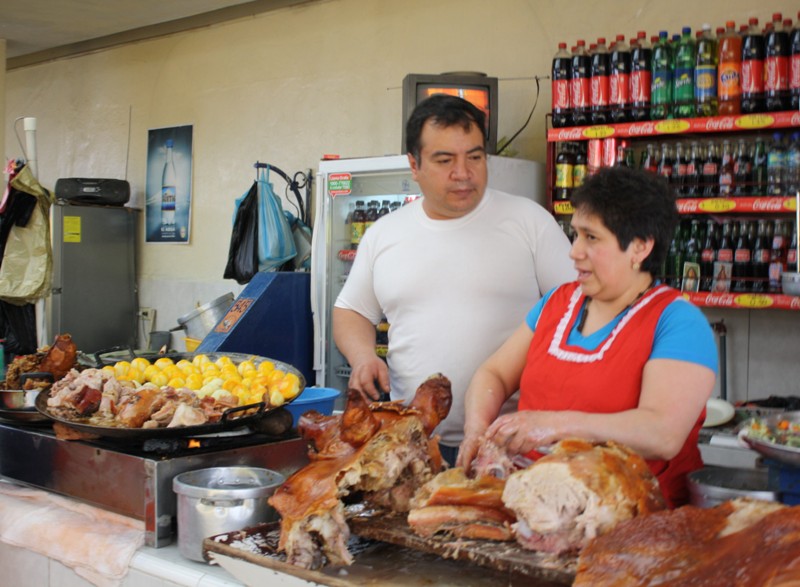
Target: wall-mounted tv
(478,88)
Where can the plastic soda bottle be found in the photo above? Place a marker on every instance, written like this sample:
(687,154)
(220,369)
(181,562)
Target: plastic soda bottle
(561,73)
(705,74)
(619,81)
(641,78)
(579,84)
(599,93)
(776,167)
(661,88)
(794,66)
(683,78)
(776,66)
(793,165)
(753,69)
(729,71)
(357,224)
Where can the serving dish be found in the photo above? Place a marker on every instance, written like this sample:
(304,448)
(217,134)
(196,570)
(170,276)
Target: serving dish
(718,412)
(776,436)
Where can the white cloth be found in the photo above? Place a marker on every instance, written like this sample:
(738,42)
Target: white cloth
(454,290)
(98,545)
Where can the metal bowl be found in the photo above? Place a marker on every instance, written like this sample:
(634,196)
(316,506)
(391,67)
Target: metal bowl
(711,485)
(18,399)
(778,452)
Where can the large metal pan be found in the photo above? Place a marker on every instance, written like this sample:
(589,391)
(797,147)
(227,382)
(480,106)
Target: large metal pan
(777,451)
(233,418)
(19,405)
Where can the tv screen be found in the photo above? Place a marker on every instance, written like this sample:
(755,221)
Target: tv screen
(478,89)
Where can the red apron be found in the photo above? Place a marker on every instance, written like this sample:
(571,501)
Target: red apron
(558,376)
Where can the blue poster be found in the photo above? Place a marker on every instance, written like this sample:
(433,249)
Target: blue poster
(168,188)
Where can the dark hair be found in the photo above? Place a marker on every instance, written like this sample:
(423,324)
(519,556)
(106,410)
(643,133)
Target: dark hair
(632,203)
(443,110)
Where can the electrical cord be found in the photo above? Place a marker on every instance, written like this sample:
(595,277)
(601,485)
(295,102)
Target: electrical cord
(535,102)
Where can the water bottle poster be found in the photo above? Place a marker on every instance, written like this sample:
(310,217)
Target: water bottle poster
(168,202)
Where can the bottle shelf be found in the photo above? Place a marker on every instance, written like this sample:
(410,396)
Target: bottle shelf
(677,126)
(718,205)
(749,301)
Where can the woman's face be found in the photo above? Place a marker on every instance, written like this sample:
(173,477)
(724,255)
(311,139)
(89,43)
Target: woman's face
(604,270)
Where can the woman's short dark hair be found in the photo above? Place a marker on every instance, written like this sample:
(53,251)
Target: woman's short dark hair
(632,203)
(446,111)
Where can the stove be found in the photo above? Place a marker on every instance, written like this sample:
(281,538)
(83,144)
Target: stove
(134,479)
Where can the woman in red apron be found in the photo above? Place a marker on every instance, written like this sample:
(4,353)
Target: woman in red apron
(612,356)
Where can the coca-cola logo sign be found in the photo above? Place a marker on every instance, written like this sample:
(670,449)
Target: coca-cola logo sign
(641,129)
(566,134)
(719,123)
(768,205)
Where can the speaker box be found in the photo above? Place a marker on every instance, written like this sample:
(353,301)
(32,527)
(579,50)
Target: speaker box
(105,192)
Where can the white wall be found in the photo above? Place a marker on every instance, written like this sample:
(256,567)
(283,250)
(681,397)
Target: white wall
(290,85)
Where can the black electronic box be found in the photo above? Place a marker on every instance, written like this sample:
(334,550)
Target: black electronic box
(101,192)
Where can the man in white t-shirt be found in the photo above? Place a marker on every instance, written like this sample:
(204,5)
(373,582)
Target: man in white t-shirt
(454,272)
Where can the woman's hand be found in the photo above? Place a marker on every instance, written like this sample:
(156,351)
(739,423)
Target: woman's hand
(468,449)
(522,432)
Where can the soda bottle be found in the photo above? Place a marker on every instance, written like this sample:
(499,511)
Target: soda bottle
(394,206)
(777,258)
(561,73)
(641,78)
(357,223)
(579,84)
(729,71)
(791,252)
(776,166)
(726,172)
(649,158)
(760,259)
(384,209)
(372,214)
(753,53)
(679,169)
(707,256)
(711,171)
(794,66)
(694,171)
(705,74)
(565,160)
(742,170)
(776,66)
(579,167)
(683,77)
(793,165)
(601,65)
(168,188)
(674,263)
(666,163)
(619,81)
(661,87)
(741,261)
(726,244)
(759,185)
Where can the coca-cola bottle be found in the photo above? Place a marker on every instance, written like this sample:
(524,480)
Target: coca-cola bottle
(760,258)
(580,73)
(641,78)
(742,170)
(777,258)
(741,260)
(711,171)
(694,171)
(725,251)
(760,175)
(726,172)
(791,252)
(794,66)
(707,256)
(679,169)
(619,81)
(753,54)
(776,65)
(561,73)
(598,97)
(666,163)
(650,158)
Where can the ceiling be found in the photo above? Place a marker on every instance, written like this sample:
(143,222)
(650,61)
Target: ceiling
(39,30)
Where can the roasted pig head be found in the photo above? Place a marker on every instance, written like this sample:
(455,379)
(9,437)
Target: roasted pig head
(381,449)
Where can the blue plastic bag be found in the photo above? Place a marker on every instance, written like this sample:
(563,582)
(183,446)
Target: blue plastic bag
(275,240)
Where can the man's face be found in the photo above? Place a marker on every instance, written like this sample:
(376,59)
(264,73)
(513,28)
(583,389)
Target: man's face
(451,170)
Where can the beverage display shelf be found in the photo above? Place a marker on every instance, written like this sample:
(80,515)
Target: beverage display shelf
(719,205)
(677,126)
(747,301)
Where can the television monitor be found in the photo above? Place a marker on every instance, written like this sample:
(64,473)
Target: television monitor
(477,88)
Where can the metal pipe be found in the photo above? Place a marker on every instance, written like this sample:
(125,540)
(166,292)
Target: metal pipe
(722,331)
(30,144)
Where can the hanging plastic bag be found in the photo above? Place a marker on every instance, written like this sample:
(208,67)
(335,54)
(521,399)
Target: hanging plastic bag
(243,251)
(302,242)
(275,241)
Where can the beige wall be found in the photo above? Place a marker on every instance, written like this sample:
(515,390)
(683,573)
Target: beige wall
(288,86)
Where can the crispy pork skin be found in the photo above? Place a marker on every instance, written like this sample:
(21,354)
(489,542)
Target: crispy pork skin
(739,543)
(386,457)
(579,491)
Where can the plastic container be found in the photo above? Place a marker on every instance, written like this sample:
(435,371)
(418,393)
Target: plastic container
(221,499)
(321,399)
(202,319)
(710,486)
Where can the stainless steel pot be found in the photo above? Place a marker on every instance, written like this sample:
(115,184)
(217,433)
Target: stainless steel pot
(202,319)
(710,486)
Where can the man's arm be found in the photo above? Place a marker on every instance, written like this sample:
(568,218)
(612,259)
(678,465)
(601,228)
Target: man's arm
(355,337)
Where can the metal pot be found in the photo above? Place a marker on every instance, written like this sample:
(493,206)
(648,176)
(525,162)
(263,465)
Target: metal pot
(199,322)
(221,499)
(710,486)
(23,399)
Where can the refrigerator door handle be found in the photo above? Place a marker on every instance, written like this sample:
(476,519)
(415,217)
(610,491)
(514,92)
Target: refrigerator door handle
(318,279)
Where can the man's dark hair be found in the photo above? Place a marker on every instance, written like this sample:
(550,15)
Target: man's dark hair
(442,110)
(632,203)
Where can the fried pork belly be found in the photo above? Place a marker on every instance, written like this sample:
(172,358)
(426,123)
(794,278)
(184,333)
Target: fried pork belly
(739,543)
(382,450)
(77,393)
(579,491)
(453,504)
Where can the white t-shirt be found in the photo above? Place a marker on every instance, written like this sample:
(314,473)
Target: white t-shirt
(454,290)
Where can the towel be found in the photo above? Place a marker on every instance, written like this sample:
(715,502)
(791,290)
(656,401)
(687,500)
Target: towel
(98,545)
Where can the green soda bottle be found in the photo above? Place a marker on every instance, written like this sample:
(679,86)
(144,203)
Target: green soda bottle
(661,92)
(683,79)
